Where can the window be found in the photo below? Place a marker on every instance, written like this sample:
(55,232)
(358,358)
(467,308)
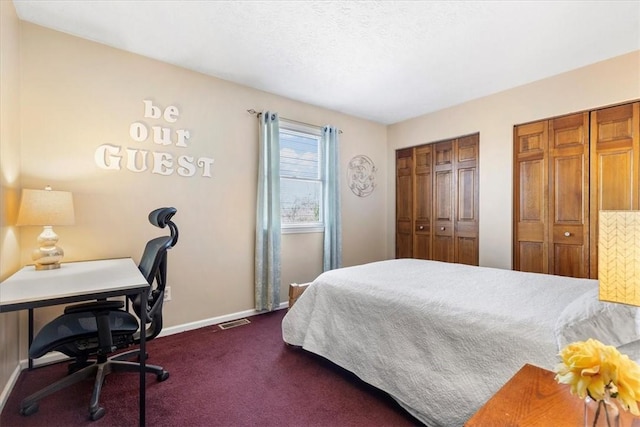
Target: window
(300,178)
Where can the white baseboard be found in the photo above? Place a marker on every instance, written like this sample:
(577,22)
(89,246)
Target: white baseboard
(54,357)
(213,321)
(4,396)
(47,359)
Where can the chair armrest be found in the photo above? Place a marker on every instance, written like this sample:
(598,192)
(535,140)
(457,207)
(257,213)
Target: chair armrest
(94,306)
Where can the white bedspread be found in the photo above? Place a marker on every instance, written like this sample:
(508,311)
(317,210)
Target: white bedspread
(440,338)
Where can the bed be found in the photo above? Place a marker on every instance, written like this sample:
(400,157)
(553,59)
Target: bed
(442,338)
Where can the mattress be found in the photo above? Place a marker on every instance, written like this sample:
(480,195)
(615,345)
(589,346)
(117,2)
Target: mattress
(442,338)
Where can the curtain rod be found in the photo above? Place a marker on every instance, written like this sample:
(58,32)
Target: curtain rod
(252,111)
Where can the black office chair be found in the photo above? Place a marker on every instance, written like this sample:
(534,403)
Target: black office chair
(102,327)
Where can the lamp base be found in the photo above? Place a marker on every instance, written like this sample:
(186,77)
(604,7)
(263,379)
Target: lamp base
(48,255)
(40,267)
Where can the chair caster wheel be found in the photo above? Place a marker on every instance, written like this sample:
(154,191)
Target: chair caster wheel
(162,376)
(30,409)
(97,414)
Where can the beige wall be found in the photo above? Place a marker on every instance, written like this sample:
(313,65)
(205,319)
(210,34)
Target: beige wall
(601,84)
(62,97)
(9,180)
(78,95)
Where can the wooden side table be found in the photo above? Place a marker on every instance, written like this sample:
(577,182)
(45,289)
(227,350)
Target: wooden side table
(533,398)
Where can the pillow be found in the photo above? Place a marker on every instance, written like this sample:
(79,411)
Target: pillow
(588,317)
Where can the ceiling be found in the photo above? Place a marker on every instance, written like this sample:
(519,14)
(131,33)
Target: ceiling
(384,61)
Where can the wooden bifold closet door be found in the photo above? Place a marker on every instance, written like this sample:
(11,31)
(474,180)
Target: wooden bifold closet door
(569,195)
(404,203)
(437,208)
(566,169)
(615,165)
(423,196)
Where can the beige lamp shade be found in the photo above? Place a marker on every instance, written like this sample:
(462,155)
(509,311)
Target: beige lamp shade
(46,207)
(619,256)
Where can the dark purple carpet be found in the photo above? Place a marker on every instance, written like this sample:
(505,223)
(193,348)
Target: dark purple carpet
(245,376)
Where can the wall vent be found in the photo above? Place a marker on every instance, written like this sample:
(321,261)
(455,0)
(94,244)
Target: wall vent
(234,324)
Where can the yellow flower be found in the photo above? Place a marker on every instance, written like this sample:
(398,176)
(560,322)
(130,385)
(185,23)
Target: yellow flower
(628,383)
(594,369)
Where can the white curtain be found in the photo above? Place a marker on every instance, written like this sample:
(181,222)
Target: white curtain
(332,257)
(267,262)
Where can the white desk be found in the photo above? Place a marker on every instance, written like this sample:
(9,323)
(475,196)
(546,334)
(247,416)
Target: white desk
(77,281)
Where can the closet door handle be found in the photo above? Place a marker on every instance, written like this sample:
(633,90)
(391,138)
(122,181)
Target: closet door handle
(442,228)
(567,234)
(421,227)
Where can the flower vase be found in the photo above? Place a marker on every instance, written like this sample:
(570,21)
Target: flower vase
(601,413)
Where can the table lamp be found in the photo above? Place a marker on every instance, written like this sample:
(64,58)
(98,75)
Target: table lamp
(47,208)
(619,256)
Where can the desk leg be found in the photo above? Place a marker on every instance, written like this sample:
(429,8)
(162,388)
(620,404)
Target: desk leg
(30,337)
(143,355)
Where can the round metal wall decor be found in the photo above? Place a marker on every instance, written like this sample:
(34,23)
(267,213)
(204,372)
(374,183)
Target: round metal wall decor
(361,175)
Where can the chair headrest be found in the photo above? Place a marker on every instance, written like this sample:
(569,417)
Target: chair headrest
(161,216)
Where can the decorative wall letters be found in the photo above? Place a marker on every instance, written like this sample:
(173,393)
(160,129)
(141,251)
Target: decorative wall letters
(108,156)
